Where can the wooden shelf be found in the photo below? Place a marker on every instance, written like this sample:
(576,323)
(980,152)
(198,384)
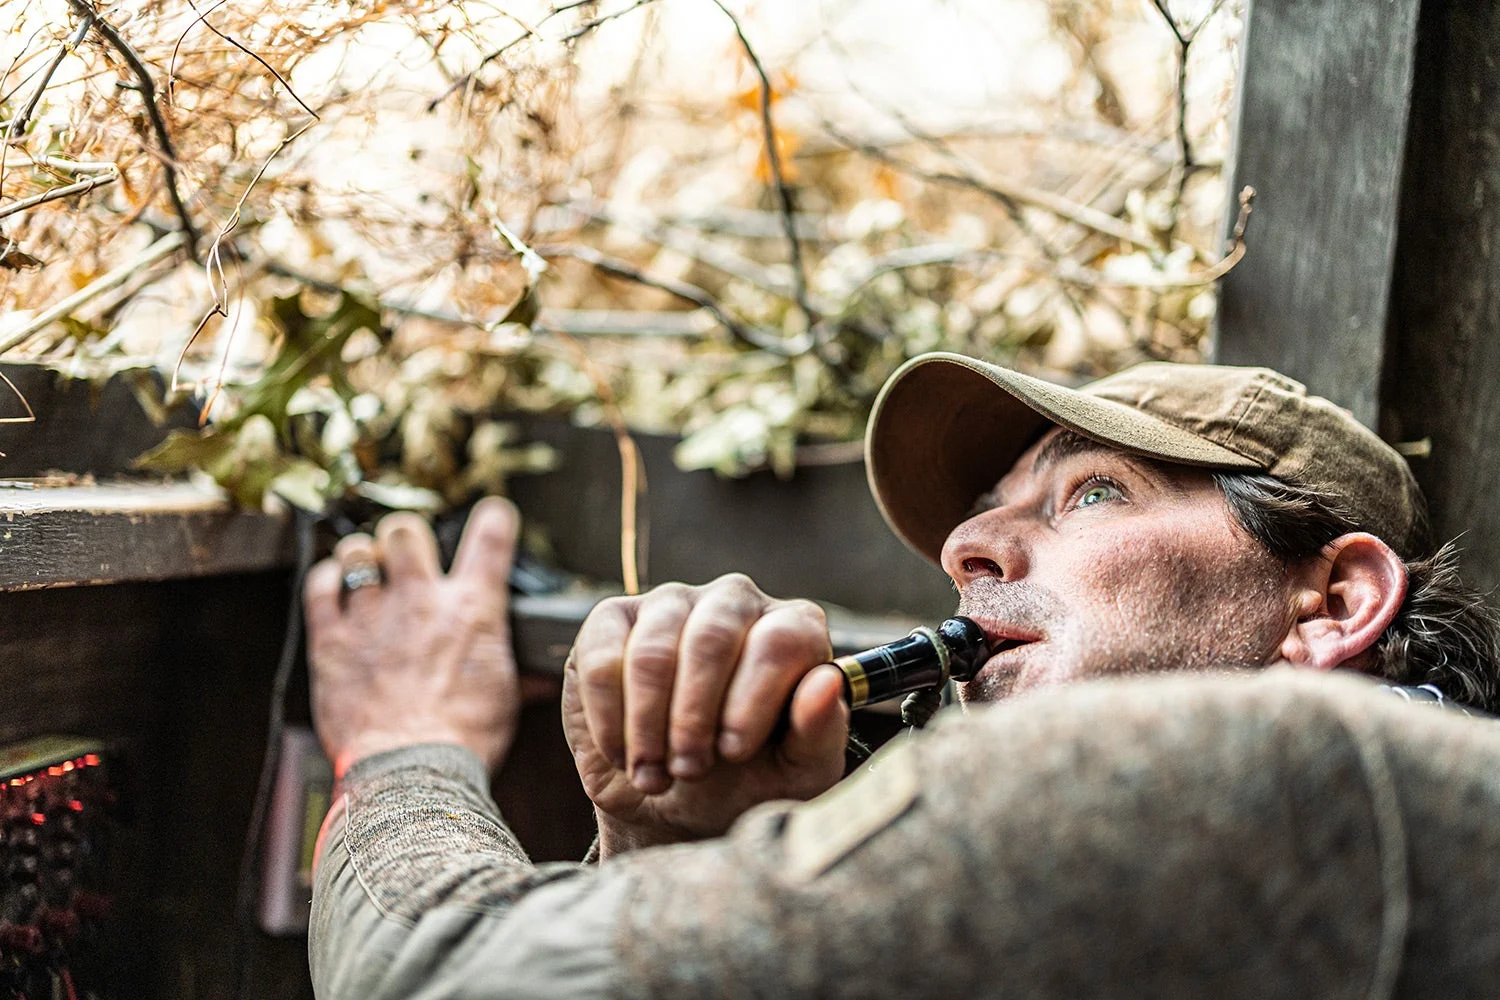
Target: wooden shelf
(119,532)
(124,532)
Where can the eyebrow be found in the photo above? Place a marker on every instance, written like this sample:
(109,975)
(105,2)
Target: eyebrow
(1066,444)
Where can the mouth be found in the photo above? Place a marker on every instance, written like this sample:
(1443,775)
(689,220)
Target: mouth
(1002,638)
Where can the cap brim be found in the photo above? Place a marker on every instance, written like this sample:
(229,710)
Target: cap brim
(945,428)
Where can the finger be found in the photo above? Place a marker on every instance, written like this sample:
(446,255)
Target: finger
(787,642)
(820,724)
(356,552)
(320,595)
(488,546)
(650,673)
(407,548)
(599,658)
(712,640)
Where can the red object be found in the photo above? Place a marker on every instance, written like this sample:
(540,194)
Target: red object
(21,937)
(61,923)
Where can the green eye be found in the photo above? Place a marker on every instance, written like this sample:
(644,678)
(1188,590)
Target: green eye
(1098,494)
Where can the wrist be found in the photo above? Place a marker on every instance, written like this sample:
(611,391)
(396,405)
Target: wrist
(617,837)
(369,744)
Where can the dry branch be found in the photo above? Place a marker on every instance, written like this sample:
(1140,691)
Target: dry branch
(773,159)
(1185,39)
(688,293)
(147,88)
(67,191)
(1001,192)
(529,32)
(19,123)
(155,252)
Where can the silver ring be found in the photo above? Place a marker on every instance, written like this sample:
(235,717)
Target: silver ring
(362,575)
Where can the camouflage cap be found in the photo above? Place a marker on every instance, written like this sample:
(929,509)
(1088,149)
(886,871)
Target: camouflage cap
(946,427)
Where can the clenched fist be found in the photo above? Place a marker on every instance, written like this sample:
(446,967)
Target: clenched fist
(670,699)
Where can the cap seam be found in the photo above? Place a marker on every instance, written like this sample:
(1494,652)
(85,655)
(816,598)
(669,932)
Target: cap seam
(1245,412)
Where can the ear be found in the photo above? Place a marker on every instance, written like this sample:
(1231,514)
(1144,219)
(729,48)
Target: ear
(1344,598)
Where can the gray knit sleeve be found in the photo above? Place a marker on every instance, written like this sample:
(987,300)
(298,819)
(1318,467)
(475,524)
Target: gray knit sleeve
(422,891)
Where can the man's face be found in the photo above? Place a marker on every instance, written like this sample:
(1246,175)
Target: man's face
(1085,561)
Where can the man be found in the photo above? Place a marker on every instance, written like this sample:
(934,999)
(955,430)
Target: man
(1169,518)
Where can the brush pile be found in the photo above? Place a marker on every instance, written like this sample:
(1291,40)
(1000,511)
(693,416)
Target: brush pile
(359,233)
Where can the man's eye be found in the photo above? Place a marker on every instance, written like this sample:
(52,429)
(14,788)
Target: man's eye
(1099,493)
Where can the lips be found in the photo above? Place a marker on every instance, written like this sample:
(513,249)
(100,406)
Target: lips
(1003,637)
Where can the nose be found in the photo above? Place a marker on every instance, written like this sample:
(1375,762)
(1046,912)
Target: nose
(984,546)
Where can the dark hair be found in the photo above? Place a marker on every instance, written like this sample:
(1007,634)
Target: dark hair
(1444,634)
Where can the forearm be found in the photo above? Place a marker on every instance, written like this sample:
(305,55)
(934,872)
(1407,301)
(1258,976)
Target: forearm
(421,890)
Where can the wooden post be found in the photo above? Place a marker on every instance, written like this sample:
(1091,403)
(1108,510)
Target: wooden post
(1372,135)
(1321,128)
(1442,375)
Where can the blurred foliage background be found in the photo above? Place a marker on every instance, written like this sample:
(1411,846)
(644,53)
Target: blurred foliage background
(358,234)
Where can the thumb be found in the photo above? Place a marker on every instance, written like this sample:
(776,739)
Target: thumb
(575,726)
(819,724)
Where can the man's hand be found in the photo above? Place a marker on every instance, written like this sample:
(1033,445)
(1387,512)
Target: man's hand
(419,657)
(670,698)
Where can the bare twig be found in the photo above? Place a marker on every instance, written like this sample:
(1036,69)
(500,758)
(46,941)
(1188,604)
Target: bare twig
(19,123)
(147,89)
(155,252)
(632,469)
(705,251)
(528,32)
(1082,215)
(214,266)
(463,81)
(30,413)
(773,159)
(78,187)
(573,322)
(1184,166)
(1065,271)
(588,26)
(203,17)
(688,293)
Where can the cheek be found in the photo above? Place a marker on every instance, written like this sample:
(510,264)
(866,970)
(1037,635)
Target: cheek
(1194,595)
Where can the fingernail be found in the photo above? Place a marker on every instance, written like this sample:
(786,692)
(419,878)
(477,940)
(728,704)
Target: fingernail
(731,745)
(650,778)
(688,765)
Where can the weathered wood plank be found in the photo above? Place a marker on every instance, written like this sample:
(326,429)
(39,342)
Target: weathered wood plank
(116,532)
(1443,377)
(81,426)
(1321,130)
(817,535)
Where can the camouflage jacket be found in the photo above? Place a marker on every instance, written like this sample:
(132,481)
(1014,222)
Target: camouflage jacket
(1279,835)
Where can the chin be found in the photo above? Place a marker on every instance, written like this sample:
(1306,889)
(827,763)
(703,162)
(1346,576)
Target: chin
(988,688)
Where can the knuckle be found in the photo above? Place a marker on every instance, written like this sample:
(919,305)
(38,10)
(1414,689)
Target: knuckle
(614,607)
(470,607)
(716,639)
(810,612)
(651,667)
(793,644)
(597,682)
(353,543)
(669,591)
(692,735)
(739,585)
